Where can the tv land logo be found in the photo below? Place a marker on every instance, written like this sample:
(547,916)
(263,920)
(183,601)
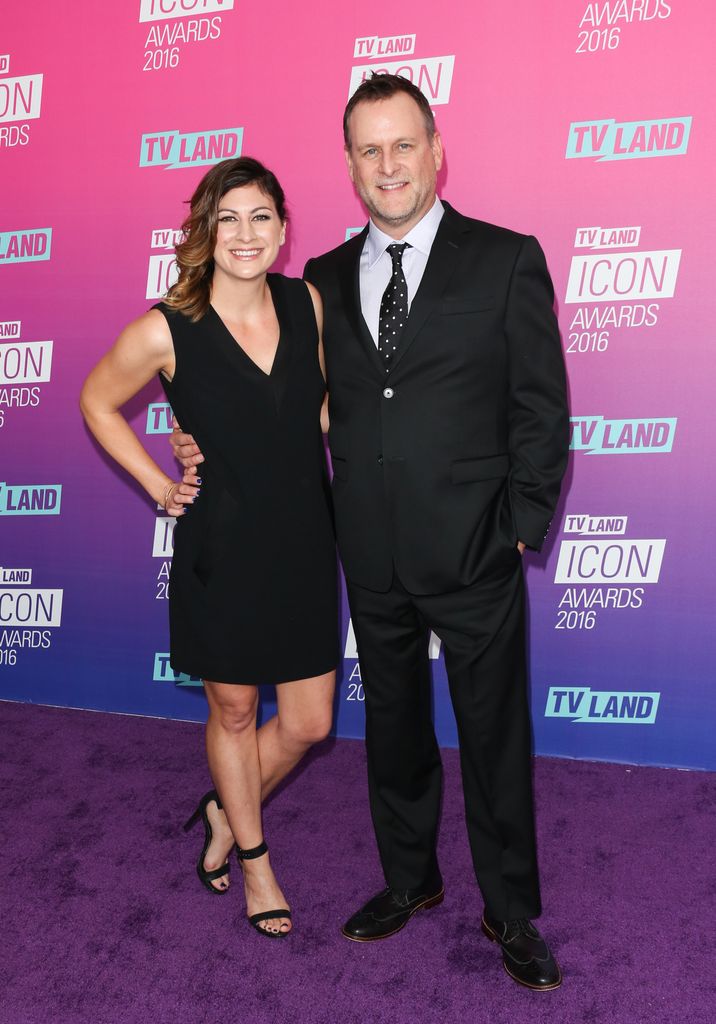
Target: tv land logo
(164,673)
(607,238)
(628,140)
(587,525)
(30,499)
(162,271)
(28,245)
(27,614)
(621,707)
(20,102)
(602,22)
(596,435)
(432,75)
(173,150)
(159,418)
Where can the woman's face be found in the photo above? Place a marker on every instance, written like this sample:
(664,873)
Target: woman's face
(249,233)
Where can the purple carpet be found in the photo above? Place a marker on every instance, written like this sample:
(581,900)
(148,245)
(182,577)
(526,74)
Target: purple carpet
(104,920)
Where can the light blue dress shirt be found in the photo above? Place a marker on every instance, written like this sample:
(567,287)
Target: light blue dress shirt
(376,265)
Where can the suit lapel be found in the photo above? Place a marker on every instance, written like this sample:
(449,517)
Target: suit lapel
(349,276)
(443,259)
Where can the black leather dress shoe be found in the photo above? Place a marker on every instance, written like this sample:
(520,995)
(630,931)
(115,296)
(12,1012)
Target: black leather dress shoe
(525,954)
(390,911)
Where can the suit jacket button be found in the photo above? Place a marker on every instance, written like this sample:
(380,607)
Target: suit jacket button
(388,392)
(380,460)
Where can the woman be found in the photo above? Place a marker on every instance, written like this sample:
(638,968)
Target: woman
(253,581)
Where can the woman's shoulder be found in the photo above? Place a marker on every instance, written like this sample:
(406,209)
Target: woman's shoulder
(292,284)
(178,322)
(294,288)
(169,312)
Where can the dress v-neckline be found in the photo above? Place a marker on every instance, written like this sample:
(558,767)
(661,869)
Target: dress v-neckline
(237,344)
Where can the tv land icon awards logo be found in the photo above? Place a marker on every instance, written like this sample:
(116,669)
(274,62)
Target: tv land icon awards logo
(24,365)
(27,607)
(621,707)
(173,150)
(432,75)
(350,648)
(176,23)
(602,570)
(27,614)
(617,276)
(161,10)
(610,560)
(162,271)
(163,540)
(628,140)
(601,23)
(24,362)
(20,102)
(613,287)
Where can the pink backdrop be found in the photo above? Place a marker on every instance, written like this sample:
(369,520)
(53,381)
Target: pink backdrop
(586,124)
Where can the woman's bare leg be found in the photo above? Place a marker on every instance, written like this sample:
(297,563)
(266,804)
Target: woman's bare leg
(247,764)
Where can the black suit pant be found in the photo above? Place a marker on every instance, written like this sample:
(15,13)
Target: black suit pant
(482,629)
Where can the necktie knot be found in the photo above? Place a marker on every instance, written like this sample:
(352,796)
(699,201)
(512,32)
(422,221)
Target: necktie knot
(396,251)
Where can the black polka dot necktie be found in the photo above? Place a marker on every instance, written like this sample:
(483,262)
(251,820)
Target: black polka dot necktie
(393,306)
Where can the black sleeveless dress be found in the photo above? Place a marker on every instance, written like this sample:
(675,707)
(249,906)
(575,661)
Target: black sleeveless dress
(253,584)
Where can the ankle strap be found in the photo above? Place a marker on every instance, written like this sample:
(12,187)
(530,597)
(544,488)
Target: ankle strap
(257,851)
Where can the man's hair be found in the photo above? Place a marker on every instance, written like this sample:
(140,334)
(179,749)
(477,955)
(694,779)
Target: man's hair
(195,253)
(382,87)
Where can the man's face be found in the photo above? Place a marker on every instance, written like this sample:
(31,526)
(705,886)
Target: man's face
(392,162)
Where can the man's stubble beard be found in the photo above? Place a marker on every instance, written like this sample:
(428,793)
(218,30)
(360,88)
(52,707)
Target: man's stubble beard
(387,218)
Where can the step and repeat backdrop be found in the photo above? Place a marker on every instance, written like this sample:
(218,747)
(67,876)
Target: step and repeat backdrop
(588,124)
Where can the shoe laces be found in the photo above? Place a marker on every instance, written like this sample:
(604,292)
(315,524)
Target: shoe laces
(520,926)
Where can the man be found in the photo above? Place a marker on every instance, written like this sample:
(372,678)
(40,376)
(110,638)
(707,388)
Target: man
(448,437)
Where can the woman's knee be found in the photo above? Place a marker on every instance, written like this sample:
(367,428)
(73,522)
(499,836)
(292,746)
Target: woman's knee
(236,714)
(308,728)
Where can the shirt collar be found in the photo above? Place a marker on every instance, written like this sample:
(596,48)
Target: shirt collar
(420,237)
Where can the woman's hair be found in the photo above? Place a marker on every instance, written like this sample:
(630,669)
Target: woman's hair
(195,254)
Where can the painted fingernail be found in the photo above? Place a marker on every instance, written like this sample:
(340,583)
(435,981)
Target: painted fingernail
(198,479)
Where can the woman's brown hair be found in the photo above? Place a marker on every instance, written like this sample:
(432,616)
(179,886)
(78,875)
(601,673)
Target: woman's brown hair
(195,254)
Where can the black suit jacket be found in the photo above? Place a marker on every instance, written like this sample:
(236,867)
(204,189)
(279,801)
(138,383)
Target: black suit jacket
(443,463)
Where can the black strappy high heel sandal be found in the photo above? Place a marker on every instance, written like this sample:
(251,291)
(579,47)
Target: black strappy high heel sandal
(207,877)
(266,915)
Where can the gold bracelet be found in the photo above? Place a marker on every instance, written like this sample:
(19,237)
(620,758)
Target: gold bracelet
(168,494)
